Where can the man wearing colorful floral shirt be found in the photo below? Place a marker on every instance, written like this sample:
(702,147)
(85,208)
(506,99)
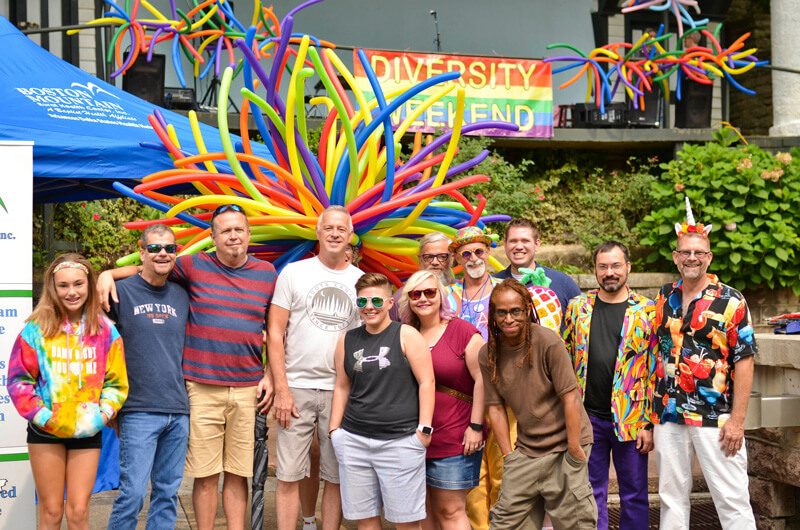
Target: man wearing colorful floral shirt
(609,338)
(704,336)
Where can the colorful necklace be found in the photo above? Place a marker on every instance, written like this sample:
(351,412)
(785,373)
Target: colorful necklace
(471,313)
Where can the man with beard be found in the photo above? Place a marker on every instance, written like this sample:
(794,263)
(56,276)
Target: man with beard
(704,336)
(608,336)
(434,255)
(469,298)
(521,241)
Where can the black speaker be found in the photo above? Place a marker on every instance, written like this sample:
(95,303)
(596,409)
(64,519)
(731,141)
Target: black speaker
(146,80)
(651,115)
(587,115)
(693,111)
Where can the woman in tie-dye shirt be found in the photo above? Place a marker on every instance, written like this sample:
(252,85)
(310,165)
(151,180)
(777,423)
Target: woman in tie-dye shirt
(67,377)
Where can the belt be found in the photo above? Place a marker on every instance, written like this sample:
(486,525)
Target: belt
(454,393)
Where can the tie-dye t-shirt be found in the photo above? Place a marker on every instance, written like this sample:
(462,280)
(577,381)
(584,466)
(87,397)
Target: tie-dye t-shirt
(62,384)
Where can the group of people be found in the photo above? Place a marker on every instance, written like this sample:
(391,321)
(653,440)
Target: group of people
(479,402)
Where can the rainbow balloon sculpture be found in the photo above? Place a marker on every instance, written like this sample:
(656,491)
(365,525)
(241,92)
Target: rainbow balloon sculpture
(678,8)
(638,68)
(216,28)
(357,166)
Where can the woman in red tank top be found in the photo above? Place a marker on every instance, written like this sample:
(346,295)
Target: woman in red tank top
(454,456)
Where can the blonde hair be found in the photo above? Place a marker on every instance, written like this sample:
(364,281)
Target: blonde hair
(406,314)
(50,314)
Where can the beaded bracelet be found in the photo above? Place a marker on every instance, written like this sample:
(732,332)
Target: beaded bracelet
(508,453)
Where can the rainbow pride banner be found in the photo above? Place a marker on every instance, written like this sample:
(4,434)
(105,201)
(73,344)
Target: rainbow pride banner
(514,90)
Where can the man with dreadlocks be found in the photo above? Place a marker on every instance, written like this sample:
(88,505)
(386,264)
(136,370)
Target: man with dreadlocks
(526,367)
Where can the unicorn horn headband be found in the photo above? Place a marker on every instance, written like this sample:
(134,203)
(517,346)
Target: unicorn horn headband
(690,226)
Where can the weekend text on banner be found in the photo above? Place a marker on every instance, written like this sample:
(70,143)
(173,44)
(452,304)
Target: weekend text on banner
(515,90)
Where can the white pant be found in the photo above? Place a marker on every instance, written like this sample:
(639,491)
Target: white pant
(676,446)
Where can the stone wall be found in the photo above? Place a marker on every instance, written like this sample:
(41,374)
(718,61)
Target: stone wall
(751,114)
(774,453)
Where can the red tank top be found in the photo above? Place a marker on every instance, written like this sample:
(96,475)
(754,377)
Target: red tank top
(451,415)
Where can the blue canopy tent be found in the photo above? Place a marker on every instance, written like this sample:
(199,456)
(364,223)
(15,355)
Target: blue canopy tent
(86,132)
(86,135)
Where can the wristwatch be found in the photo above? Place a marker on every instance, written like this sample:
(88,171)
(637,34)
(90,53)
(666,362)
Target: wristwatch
(476,426)
(425,429)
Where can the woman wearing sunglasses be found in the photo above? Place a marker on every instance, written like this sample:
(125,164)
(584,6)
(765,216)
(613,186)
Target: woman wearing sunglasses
(67,377)
(381,415)
(454,457)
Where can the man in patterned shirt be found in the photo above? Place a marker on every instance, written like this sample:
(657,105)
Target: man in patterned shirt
(704,336)
(608,336)
(469,298)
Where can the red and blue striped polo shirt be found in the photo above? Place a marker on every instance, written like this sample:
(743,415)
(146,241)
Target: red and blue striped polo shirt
(227,311)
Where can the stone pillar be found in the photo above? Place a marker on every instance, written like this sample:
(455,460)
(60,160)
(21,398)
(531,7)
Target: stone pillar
(785,86)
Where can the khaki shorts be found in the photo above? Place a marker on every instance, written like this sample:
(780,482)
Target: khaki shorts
(221,429)
(294,443)
(557,483)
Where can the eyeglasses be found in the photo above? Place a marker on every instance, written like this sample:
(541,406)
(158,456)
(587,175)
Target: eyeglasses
(377,302)
(430,294)
(501,314)
(155,248)
(699,254)
(227,208)
(428,258)
(479,252)
(616,267)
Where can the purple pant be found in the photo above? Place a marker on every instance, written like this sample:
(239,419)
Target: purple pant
(631,468)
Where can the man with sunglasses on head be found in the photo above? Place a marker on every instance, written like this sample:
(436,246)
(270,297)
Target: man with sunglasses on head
(312,307)
(153,425)
(229,294)
(434,255)
(610,341)
(469,298)
(704,370)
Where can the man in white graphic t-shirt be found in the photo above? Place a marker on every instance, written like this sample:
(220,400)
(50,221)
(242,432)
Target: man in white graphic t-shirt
(313,304)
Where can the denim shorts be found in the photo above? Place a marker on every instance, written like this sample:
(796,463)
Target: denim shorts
(460,472)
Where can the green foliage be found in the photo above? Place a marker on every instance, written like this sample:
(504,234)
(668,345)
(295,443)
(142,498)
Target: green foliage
(96,225)
(569,194)
(750,196)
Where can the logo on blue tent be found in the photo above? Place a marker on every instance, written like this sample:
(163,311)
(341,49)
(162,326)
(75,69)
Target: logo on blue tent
(94,89)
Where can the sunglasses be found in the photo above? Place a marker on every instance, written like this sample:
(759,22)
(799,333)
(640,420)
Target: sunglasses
(155,248)
(377,302)
(430,294)
(227,208)
(479,252)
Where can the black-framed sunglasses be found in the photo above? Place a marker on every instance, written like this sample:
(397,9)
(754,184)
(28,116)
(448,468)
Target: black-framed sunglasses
(155,248)
(479,252)
(227,208)
(377,302)
(430,294)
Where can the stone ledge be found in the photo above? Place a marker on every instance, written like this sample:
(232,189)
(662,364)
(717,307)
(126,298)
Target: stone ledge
(778,350)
